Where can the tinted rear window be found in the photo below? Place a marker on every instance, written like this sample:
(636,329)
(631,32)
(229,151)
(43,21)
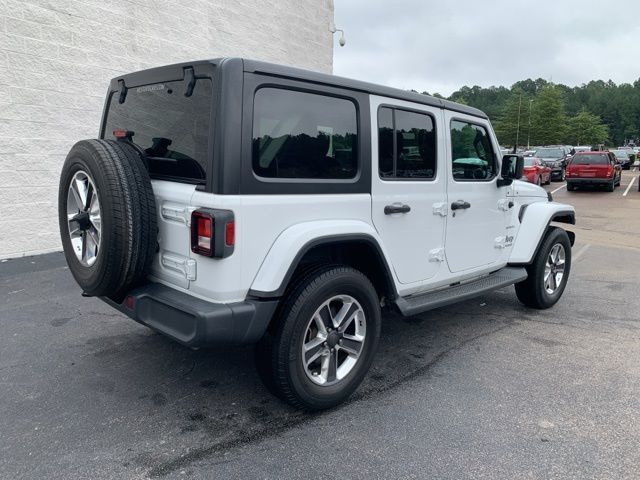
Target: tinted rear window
(303,135)
(549,153)
(171,128)
(598,159)
(623,154)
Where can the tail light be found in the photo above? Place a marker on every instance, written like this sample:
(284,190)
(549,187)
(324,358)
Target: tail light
(609,171)
(213,232)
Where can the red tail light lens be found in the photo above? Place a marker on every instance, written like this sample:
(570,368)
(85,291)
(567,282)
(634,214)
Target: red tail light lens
(230,234)
(609,171)
(202,233)
(213,232)
(129,302)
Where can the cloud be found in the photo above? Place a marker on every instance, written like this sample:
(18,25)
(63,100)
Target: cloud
(440,46)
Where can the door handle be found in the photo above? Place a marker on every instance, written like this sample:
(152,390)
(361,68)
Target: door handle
(460,205)
(391,209)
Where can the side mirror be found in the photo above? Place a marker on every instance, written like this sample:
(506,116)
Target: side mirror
(512,169)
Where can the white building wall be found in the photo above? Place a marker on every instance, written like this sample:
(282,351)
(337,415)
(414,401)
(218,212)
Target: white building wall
(56,60)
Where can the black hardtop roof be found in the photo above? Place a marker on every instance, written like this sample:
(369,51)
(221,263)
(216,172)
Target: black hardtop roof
(334,80)
(175,71)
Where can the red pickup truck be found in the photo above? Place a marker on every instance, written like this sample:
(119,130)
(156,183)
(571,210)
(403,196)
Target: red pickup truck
(594,169)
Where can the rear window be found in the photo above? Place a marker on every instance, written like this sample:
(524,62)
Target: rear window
(624,154)
(171,128)
(549,153)
(597,159)
(303,135)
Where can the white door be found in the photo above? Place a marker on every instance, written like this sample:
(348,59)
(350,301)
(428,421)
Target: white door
(408,182)
(476,224)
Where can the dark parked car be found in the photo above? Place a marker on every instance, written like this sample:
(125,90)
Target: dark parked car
(594,169)
(555,158)
(624,157)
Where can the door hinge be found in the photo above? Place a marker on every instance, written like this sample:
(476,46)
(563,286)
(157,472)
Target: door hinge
(185,266)
(440,209)
(436,255)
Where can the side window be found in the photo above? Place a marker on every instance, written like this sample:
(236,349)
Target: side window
(303,135)
(406,145)
(471,152)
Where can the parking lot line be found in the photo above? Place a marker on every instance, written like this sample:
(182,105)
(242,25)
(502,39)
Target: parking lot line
(558,189)
(629,187)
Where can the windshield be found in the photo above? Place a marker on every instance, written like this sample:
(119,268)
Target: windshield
(549,153)
(530,161)
(593,159)
(170,127)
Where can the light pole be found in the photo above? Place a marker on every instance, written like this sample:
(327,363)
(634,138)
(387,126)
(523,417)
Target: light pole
(515,148)
(529,131)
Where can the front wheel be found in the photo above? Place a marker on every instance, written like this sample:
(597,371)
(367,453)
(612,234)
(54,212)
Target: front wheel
(323,340)
(549,272)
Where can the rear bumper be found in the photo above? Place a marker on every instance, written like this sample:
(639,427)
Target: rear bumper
(194,322)
(588,181)
(556,172)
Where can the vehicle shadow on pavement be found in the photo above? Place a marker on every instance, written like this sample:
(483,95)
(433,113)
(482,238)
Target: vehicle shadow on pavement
(213,399)
(166,406)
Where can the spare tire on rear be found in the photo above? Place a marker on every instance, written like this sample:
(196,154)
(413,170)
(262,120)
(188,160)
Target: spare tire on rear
(107,217)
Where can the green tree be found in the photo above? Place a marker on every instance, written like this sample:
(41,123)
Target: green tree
(511,125)
(548,118)
(586,129)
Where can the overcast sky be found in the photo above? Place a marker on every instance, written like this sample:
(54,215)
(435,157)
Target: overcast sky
(441,45)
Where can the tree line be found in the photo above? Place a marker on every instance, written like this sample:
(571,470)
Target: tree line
(538,112)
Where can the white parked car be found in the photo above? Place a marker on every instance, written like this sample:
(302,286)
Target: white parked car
(234,202)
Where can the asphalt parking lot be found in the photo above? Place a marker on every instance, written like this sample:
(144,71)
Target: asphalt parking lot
(483,389)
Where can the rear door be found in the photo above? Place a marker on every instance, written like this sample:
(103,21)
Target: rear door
(408,186)
(476,225)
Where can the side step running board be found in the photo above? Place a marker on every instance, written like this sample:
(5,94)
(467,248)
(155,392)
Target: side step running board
(413,305)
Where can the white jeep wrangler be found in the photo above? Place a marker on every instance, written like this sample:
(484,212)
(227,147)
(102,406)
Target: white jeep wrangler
(232,201)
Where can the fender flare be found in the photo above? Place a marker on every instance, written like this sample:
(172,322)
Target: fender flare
(290,247)
(535,221)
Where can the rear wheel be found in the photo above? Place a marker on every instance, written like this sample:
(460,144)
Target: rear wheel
(611,185)
(549,272)
(539,181)
(324,339)
(570,187)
